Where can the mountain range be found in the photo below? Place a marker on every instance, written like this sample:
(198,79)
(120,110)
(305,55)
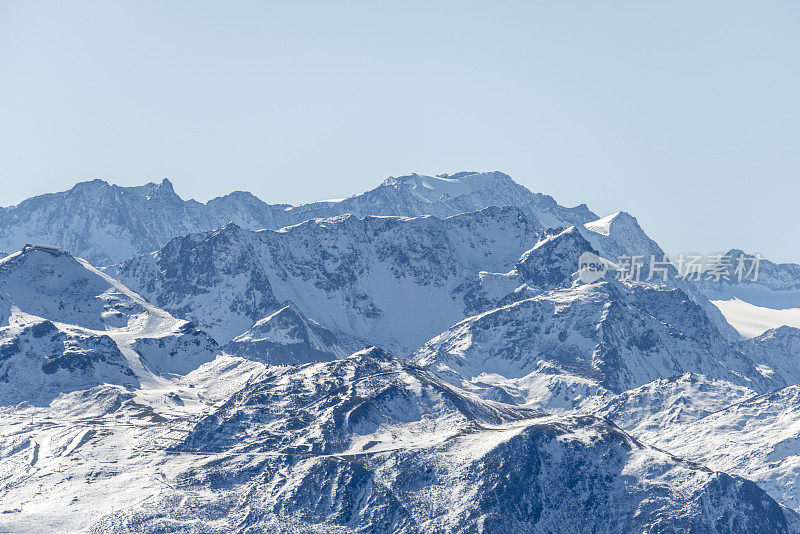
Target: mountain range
(107,224)
(423,357)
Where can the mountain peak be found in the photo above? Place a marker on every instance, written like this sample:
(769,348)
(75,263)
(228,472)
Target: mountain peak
(373,353)
(288,314)
(781,333)
(88,185)
(289,337)
(552,261)
(86,298)
(100,188)
(437,189)
(737,253)
(239,196)
(613,223)
(457,175)
(166,185)
(446,186)
(229,228)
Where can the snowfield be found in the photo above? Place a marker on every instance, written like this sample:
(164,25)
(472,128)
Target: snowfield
(751,320)
(752,306)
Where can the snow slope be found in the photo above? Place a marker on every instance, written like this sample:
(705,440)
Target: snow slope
(390,281)
(751,320)
(65,326)
(369,444)
(655,407)
(618,336)
(754,306)
(94,452)
(776,353)
(757,437)
(288,337)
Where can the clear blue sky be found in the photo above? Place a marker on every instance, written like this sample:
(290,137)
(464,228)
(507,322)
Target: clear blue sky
(686,114)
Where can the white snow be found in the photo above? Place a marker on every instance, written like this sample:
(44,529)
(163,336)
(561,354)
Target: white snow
(602,226)
(435,188)
(751,320)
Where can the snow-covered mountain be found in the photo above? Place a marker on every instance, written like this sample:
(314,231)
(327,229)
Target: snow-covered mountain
(107,223)
(524,399)
(776,352)
(390,281)
(607,333)
(288,337)
(619,238)
(552,262)
(757,436)
(38,361)
(737,268)
(446,195)
(395,282)
(382,446)
(101,222)
(724,425)
(619,234)
(372,444)
(64,326)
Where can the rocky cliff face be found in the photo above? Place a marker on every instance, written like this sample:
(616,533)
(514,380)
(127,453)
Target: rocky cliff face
(390,281)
